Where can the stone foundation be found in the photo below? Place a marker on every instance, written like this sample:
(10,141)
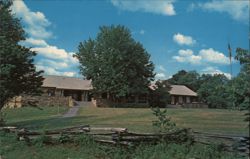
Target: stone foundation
(15,102)
(21,101)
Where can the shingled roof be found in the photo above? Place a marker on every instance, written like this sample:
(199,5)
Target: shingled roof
(72,83)
(177,90)
(181,90)
(61,82)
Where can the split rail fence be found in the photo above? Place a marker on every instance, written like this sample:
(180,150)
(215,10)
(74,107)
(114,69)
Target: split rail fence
(123,137)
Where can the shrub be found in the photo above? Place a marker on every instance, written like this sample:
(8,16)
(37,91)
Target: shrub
(42,140)
(64,138)
(163,122)
(2,121)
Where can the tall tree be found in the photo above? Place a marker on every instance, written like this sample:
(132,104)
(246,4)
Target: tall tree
(189,79)
(159,94)
(242,83)
(115,62)
(17,71)
(213,90)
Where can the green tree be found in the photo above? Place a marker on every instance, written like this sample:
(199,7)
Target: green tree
(213,90)
(189,79)
(159,95)
(115,62)
(17,71)
(242,82)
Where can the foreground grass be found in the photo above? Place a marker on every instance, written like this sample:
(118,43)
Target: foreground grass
(135,119)
(29,115)
(84,147)
(206,120)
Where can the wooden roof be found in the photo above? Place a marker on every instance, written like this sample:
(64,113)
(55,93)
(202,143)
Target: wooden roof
(72,83)
(181,90)
(177,90)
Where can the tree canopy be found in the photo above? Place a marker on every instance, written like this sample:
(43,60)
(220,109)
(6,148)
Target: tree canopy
(17,71)
(189,79)
(213,90)
(115,62)
(242,82)
(159,95)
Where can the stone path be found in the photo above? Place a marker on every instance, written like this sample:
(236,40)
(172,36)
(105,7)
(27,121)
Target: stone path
(71,112)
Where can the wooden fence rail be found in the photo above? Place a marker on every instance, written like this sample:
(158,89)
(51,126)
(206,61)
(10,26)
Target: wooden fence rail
(122,136)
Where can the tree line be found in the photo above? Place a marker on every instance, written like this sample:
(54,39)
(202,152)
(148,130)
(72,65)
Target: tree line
(217,90)
(117,64)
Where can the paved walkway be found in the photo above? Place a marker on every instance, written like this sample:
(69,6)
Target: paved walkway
(73,110)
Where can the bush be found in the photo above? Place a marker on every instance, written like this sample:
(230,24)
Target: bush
(2,121)
(64,138)
(163,123)
(88,148)
(42,140)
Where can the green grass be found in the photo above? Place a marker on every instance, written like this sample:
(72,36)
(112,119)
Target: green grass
(28,116)
(135,119)
(33,113)
(84,148)
(205,120)
(138,119)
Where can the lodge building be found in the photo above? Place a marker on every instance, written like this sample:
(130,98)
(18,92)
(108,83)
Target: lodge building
(68,91)
(181,94)
(78,89)
(81,90)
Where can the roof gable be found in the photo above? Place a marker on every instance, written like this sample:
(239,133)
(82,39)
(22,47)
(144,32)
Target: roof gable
(72,83)
(61,82)
(181,90)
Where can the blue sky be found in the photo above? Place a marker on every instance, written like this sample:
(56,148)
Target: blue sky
(190,35)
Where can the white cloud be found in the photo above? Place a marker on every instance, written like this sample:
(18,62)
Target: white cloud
(214,70)
(160,76)
(52,52)
(237,9)
(53,60)
(34,42)
(35,22)
(53,64)
(183,39)
(213,56)
(163,7)
(187,52)
(52,71)
(142,32)
(205,56)
(161,68)
(70,74)
(187,56)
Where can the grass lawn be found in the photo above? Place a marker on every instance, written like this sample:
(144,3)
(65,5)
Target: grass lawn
(135,119)
(206,120)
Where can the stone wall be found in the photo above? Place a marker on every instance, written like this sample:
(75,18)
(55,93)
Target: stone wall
(47,101)
(43,100)
(15,102)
